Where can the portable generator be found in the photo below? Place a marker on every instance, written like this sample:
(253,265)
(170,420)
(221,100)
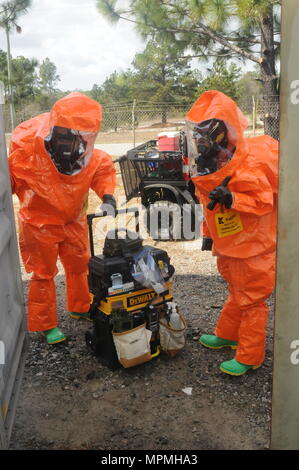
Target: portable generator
(120,303)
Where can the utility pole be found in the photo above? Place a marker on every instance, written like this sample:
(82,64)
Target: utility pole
(285,409)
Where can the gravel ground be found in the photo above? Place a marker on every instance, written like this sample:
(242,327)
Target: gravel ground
(69,400)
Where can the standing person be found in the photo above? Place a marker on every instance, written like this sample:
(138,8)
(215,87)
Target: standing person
(236,182)
(53,164)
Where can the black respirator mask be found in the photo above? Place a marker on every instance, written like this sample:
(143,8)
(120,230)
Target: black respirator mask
(67,149)
(211,139)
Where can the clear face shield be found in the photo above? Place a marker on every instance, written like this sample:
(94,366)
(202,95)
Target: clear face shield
(211,145)
(69,149)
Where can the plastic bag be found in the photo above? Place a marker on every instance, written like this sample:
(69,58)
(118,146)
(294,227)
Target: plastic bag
(146,271)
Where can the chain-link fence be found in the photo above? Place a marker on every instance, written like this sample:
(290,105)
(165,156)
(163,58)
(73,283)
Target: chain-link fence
(262,114)
(21,113)
(142,114)
(269,109)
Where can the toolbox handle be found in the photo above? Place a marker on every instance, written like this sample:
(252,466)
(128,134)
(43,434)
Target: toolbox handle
(90,218)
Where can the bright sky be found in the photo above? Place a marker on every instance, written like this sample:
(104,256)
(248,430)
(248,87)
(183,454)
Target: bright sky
(85,48)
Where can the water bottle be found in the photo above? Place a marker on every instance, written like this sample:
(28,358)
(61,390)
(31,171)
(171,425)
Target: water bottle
(175,319)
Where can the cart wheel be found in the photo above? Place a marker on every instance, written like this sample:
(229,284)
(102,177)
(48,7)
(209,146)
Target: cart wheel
(165,221)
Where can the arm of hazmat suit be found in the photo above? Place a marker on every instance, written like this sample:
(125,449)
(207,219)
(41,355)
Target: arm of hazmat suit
(255,191)
(254,195)
(104,179)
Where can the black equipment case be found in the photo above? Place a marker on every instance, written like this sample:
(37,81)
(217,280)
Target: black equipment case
(102,267)
(129,305)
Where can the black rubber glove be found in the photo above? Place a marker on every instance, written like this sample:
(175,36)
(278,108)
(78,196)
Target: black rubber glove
(222,195)
(108,199)
(207,244)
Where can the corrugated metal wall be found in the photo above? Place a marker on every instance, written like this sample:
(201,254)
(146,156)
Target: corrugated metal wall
(12,309)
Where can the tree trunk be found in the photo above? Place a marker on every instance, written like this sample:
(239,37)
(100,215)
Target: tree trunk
(164,114)
(269,77)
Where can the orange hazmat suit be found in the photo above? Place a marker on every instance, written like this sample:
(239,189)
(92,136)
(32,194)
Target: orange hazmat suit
(52,215)
(244,236)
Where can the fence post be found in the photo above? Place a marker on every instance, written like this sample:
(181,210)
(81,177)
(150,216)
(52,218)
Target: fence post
(114,114)
(253,115)
(133,121)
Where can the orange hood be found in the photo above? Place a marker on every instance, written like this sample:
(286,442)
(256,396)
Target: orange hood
(249,228)
(215,104)
(47,196)
(77,111)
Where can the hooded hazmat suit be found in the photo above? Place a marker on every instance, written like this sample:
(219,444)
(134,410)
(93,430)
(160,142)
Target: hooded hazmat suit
(52,215)
(244,236)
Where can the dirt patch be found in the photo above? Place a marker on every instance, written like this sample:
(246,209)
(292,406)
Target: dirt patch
(141,135)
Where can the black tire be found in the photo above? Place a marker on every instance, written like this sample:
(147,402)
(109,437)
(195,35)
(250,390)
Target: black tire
(164,221)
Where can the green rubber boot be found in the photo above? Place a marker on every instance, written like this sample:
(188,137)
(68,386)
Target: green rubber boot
(214,342)
(236,368)
(80,315)
(54,336)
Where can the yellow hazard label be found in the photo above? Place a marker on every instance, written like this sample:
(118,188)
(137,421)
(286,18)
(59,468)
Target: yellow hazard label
(228,223)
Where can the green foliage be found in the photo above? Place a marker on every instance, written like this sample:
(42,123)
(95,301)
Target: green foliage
(23,78)
(32,87)
(3,68)
(254,9)
(250,86)
(116,88)
(222,77)
(108,10)
(216,13)
(162,75)
(10,11)
(158,75)
(44,101)
(208,28)
(48,76)
(245,29)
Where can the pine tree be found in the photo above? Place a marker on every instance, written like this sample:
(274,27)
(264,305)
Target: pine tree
(223,78)
(243,29)
(10,10)
(48,76)
(161,75)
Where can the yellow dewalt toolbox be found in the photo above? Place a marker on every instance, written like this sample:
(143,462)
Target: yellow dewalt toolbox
(131,287)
